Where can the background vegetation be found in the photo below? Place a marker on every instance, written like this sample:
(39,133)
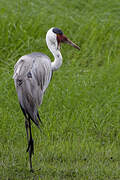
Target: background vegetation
(81,107)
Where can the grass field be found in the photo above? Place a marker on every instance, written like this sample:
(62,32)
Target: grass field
(81,107)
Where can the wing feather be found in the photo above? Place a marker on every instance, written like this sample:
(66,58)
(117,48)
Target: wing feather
(32,74)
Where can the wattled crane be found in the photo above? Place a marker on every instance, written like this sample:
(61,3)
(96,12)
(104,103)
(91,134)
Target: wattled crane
(32,75)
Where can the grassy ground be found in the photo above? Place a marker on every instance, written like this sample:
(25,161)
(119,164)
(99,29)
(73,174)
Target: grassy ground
(81,107)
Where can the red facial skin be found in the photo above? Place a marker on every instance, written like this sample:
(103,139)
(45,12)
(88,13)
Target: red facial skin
(63,39)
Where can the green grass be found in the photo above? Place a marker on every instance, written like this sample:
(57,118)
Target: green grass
(81,107)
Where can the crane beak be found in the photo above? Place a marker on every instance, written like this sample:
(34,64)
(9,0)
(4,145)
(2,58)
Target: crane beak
(63,39)
(68,41)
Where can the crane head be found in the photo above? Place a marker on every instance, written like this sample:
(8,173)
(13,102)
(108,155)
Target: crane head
(61,38)
(56,34)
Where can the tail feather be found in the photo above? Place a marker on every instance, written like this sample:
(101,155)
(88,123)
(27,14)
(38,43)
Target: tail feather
(27,115)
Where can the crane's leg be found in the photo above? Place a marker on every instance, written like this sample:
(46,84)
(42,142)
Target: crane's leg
(39,118)
(30,141)
(27,126)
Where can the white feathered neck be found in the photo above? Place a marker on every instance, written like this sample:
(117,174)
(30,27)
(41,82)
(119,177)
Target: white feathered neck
(51,40)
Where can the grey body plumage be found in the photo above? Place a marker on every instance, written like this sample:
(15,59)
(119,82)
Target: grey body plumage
(32,75)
